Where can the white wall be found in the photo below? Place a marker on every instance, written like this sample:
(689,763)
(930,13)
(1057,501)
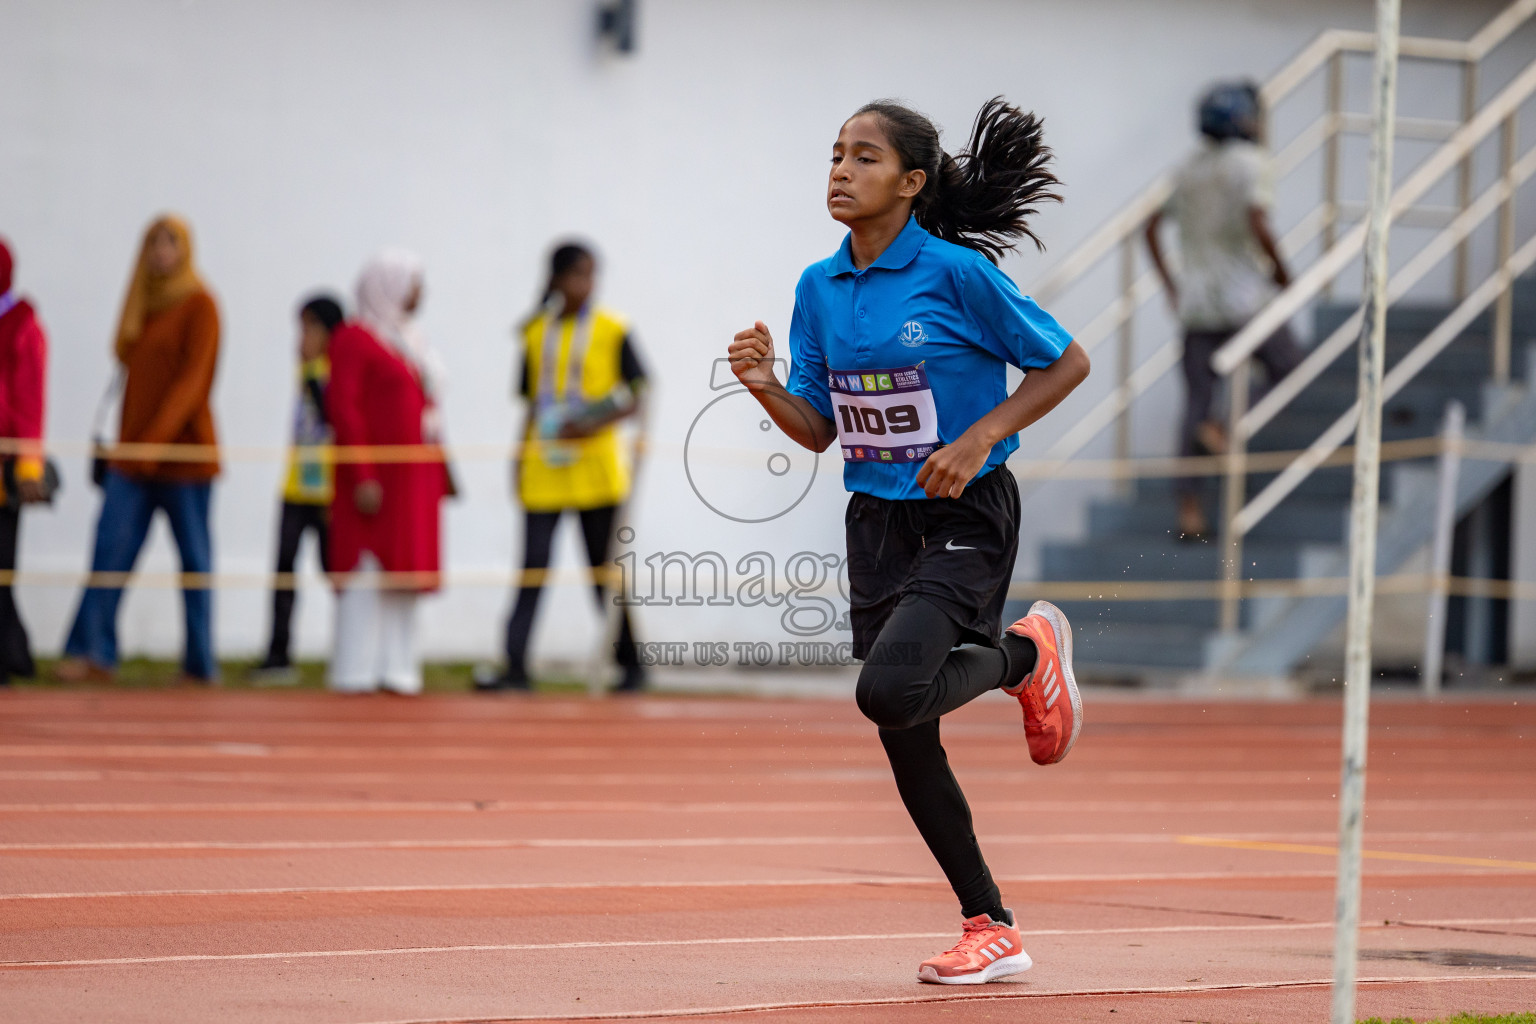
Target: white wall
(300,135)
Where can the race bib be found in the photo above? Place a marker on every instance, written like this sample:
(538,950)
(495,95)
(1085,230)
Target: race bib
(884,415)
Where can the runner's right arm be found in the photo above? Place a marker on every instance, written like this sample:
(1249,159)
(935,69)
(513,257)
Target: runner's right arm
(751,355)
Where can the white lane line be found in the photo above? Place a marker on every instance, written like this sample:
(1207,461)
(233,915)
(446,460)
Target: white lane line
(300,773)
(688,842)
(1257,805)
(1452,921)
(726,766)
(640,943)
(538,844)
(991,996)
(727,760)
(888,880)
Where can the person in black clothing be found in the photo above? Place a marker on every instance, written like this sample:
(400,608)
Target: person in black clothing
(580,376)
(307,490)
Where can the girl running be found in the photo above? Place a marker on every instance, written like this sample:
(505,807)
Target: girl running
(900,342)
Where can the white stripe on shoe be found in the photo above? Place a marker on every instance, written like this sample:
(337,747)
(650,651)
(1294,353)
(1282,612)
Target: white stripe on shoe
(1063,632)
(1002,967)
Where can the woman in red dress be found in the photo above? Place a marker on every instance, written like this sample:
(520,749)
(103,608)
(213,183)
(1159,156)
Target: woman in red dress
(385,515)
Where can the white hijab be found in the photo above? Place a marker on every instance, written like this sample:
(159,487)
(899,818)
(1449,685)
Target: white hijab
(383,288)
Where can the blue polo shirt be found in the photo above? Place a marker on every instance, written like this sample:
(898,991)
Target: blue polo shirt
(935,313)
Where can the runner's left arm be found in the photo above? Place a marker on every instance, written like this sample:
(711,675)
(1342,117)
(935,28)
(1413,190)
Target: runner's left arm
(1011,326)
(948,470)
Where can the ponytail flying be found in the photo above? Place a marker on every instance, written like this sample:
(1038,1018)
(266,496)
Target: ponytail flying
(981,197)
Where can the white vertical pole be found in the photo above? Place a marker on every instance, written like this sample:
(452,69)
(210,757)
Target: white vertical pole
(1440,550)
(1362,522)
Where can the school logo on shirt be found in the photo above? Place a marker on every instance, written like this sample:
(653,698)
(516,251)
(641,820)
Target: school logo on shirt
(911,334)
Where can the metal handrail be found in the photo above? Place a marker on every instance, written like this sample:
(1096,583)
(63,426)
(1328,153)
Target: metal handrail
(1239,518)
(1133,215)
(1136,290)
(1150,371)
(1315,278)
(1337,343)
(1406,368)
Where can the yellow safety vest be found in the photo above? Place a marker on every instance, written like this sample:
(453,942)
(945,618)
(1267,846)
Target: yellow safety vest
(587,472)
(309,480)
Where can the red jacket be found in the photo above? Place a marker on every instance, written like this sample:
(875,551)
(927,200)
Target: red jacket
(375,397)
(23,369)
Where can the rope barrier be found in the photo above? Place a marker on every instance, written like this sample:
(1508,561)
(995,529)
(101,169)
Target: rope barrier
(1068,590)
(1113,591)
(1077,469)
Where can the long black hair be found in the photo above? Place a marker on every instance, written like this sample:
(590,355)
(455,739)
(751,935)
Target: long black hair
(982,197)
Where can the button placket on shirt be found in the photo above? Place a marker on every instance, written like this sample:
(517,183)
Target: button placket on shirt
(860,320)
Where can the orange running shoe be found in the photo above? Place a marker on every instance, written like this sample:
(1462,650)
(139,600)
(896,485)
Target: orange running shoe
(987,951)
(1053,709)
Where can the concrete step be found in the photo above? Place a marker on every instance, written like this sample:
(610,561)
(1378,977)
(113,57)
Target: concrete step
(1332,483)
(1133,646)
(1120,647)
(1204,614)
(1402,319)
(1425,395)
(1146,558)
(1297,520)
(1292,431)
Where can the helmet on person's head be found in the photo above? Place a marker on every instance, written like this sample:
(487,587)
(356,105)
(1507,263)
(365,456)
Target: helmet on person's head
(1230,110)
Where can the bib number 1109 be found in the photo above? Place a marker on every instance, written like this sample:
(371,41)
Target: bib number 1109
(884,415)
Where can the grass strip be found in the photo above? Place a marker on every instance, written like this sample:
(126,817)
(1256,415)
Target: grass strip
(1462,1018)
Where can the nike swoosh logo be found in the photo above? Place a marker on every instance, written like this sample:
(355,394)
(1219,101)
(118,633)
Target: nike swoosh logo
(952,546)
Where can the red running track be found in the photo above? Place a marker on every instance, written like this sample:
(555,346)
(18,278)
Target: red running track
(304,858)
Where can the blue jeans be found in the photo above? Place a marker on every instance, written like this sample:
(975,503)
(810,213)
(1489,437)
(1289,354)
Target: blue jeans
(127,507)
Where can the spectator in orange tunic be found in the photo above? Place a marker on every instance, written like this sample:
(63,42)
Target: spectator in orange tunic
(23,370)
(168,345)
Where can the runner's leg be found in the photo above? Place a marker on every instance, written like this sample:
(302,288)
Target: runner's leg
(913,677)
(912,674)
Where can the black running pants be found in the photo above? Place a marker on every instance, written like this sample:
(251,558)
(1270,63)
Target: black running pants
(297,518)
(911,677)
(15,651)
(538,540)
